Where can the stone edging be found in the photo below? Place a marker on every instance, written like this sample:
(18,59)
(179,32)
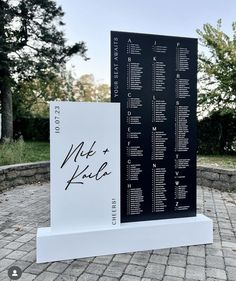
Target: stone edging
(13,175)
(219,178)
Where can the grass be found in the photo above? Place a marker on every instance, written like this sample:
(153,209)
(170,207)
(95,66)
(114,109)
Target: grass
(14,152)
(227,161)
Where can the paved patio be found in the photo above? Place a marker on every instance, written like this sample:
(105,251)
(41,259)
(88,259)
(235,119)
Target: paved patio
(25,208)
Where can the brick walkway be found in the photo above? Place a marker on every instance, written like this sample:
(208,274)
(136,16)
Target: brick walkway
(25,208)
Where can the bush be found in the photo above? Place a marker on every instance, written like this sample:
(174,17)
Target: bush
(18,151)
(217,134)
(8,151)
(36,129)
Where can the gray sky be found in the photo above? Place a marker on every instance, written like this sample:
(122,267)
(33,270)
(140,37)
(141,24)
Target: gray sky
(92,20)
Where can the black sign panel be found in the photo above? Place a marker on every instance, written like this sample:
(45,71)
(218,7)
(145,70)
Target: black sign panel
(154,78)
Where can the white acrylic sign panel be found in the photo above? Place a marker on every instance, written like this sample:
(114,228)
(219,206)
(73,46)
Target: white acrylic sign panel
(85,163)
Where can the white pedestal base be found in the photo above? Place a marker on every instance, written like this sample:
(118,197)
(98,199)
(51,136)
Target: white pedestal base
(130,237)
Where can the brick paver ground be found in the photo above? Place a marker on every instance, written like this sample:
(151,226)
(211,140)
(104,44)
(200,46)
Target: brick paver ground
(25,208)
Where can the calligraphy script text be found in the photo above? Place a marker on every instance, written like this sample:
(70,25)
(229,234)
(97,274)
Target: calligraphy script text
(81,174)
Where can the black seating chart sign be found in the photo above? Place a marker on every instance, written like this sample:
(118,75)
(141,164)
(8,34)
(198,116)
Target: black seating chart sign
(154,78)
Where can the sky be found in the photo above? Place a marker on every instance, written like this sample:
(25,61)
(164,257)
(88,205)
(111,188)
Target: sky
(92,20)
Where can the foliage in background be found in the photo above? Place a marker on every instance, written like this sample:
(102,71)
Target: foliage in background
(11,152)
(32,46)
(30,98)
(32,129)
(217,134)
(14,152)
(88,90)
(217,66)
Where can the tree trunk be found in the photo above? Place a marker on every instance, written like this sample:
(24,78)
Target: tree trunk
(5,78)
(6,106)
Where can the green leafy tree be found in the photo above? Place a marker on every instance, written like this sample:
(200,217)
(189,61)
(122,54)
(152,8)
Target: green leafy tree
(31,97)
(217,66)
(32,44)
(88,90)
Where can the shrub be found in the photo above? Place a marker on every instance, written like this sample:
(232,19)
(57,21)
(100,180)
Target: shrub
(12,151)
(217,134)
(36,129)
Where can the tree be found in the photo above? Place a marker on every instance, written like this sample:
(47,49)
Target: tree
(31,97)
(88,90)
(217,91)
(32,45)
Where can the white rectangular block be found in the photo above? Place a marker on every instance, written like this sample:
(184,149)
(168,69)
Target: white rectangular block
(129,237)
